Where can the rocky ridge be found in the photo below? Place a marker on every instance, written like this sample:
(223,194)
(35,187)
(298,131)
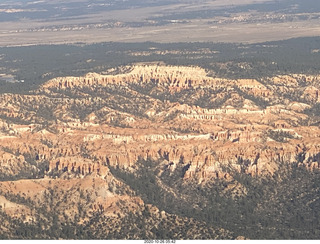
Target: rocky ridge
(225,135)
(75,129)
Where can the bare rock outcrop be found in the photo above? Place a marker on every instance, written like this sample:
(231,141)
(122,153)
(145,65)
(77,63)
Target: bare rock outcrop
(206,125)
(174,78)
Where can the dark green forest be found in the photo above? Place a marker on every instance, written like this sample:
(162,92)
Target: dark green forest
(37,64)
(283,206)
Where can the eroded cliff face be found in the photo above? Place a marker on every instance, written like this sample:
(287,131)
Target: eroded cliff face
(177,114)
(200,127)
(169,76)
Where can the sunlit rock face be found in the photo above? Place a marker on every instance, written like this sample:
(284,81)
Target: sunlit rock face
(85,124)
(73,131)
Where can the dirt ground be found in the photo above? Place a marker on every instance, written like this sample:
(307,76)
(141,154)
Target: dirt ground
(116,26)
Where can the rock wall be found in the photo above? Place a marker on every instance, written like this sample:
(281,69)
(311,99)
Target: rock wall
(213,126)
